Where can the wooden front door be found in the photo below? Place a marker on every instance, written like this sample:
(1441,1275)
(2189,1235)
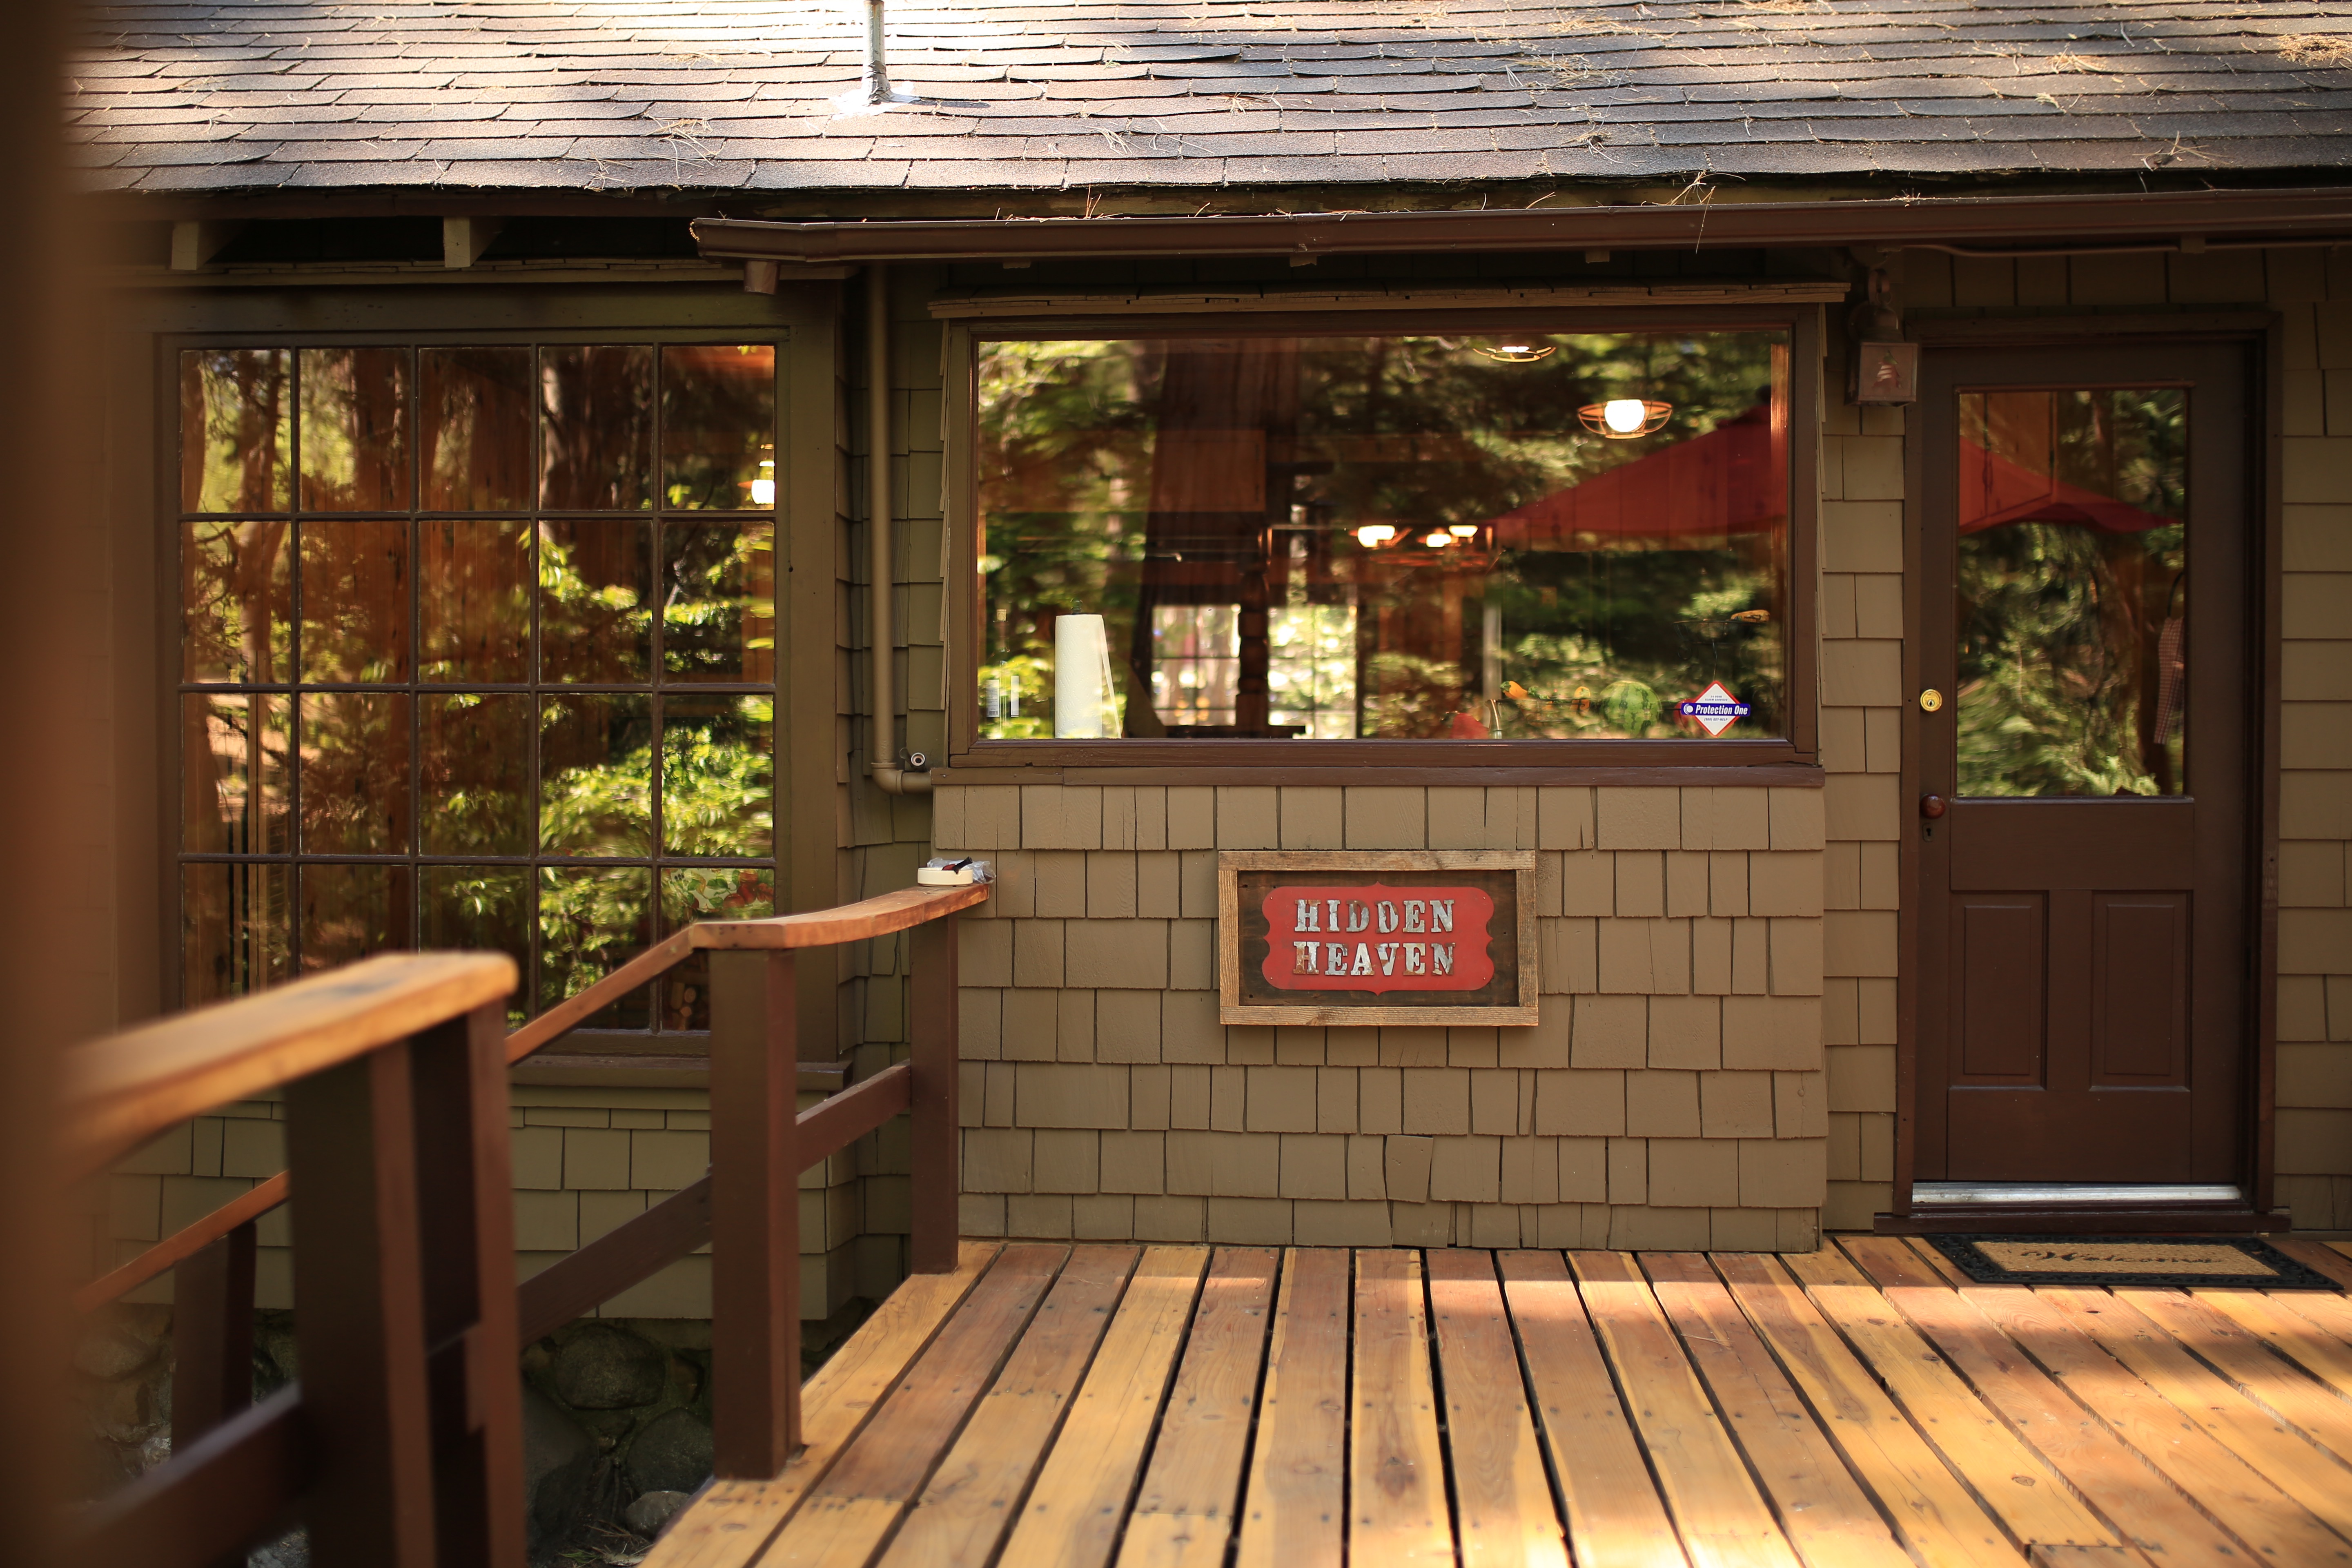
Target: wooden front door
(2086,781)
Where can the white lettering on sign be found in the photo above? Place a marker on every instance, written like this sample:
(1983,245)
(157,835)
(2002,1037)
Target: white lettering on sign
(1376,937)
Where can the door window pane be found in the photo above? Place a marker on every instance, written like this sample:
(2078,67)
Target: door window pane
(718,427)
(474,605)
(235,440)
(354,782)
(1513,535)
(719,603)
(351,912)
(355,601)
(476,774)
(595,769)
(356,455)
(592,920)
(595,594)
(233,774)
(597,429)
(235,928)
(719,776)
(478,409)
(236,602)
(2074,593)
(480,907)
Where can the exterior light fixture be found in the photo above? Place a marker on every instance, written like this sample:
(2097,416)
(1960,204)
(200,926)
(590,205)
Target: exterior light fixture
(1462,529)
(1372,535)
(1437,540)
(1517,350)
(1624,418)
(763,488)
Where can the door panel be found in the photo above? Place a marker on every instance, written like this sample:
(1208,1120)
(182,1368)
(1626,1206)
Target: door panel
(2139,989)
(1998,953)
(2082,899)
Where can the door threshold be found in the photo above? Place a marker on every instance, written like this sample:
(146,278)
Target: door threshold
(2080,1208)
(2066,1194)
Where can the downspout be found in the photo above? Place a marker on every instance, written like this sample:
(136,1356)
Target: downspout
(882,756)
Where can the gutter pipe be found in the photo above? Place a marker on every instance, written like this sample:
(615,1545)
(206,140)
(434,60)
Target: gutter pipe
(2188,220)
(882,753)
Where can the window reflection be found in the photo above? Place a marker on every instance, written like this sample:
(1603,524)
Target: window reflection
(236,441)
(477,410)
(2074,593)
(547,734)
(718,422)
(355,430)
(1414,536)
(597,427)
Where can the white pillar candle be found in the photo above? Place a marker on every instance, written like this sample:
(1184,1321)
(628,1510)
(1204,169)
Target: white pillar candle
(1083,709)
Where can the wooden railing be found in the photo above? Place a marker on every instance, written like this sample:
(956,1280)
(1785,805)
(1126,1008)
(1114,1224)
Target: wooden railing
(401,1446)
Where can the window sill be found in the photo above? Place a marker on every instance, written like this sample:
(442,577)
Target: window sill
(1466,764)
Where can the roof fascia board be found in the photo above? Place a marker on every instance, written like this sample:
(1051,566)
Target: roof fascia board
(2299,214)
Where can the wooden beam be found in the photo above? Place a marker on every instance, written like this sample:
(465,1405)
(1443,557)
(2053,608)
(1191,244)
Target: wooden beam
(195,241)
(463,239)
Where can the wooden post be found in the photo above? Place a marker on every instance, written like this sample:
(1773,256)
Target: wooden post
(359,1277)
(212,1336)
(465,1191)
(755,1329)
(935,1183)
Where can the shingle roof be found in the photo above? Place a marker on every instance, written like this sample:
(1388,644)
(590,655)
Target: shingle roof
(753,95)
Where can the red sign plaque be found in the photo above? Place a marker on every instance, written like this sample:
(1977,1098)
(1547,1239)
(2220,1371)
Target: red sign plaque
(1378,939)
(1373,937)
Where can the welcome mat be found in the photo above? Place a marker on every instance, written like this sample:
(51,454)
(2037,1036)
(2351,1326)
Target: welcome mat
(2229,1263)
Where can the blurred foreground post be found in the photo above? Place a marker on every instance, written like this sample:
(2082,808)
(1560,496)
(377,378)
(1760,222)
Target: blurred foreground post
(52,730)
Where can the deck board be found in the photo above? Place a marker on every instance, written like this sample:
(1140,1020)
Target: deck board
(1076,1509)
(1859,1406)
(964,1512)
(1503,1508)
(1183,1516)
(1295,1514)
(1396,1470)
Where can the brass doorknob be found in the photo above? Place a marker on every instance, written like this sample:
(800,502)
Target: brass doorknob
(1931,805)
(1931,701)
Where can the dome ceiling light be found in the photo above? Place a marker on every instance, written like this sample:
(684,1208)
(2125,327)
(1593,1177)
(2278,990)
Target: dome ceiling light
(1625,418)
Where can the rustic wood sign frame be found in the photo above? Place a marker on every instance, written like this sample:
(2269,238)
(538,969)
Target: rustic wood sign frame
(1507,875)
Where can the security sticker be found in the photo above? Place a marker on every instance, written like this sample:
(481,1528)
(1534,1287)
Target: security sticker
(1716,709)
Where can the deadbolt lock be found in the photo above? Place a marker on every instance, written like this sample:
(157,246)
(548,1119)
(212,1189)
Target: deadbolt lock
(1931,701)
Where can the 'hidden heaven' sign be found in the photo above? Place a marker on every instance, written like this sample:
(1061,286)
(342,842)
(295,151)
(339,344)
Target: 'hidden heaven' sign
(1368,937)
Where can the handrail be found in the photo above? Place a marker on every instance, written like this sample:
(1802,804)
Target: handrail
(883,915)
(123,1090)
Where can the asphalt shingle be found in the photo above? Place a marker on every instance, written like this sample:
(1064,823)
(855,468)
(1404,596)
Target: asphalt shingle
(715,95)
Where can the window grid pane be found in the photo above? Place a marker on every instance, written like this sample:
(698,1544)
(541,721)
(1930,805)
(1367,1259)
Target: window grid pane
(361,765)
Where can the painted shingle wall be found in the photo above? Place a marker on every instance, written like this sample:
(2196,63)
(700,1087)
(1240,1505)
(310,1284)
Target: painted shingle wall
(1672,1095)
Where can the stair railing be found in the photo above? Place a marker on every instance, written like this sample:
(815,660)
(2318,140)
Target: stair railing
(401,1443)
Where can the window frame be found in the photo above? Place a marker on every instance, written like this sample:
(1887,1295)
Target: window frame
(654,1039)
(1789,759)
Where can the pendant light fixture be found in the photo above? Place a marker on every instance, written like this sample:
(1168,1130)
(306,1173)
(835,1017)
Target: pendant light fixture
(1517,348)
(1629,418)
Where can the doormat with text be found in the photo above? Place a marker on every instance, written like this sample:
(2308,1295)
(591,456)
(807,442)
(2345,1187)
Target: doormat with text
(2212,1263)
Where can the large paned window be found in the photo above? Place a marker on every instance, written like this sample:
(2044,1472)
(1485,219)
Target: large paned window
(1415,535)
(477,650)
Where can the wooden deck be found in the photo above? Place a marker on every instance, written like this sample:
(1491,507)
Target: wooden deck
(1081,1406)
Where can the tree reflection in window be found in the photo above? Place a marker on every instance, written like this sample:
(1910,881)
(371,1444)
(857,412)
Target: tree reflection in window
(1418,535)
(478,650)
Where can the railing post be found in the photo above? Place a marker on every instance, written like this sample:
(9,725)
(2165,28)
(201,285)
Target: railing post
(755,1329)
(360,1326)
(212,1336)
(466,1189)
(936,1181)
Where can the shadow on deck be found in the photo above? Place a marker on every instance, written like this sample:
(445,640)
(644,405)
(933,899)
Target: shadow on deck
(1091,1404)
